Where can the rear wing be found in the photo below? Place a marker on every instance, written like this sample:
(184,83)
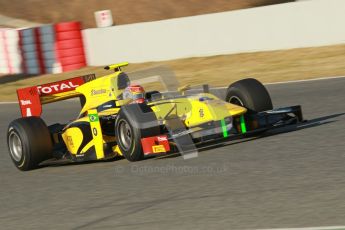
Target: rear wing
(32,98)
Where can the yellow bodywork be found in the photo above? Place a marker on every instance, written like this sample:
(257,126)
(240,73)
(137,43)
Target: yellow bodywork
(192,110)
(73,138)
(99,91)
(195,112)
(95,93)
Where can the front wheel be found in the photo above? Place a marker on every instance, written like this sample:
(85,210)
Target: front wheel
(134,122)
(251,94)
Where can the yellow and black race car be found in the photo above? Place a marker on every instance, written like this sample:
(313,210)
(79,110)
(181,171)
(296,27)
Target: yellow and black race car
(120,119)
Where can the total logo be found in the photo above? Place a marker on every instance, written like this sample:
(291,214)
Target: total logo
(162,138)
(25,102)
(56,88)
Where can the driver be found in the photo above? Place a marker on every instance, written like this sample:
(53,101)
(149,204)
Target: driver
(135,93)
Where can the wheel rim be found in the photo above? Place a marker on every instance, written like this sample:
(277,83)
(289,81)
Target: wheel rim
(236,100)
(125,134)
(16,148)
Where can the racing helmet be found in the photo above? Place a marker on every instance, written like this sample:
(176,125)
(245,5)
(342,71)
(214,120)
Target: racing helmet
(135,93)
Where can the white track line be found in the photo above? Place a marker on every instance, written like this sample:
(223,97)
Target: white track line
(309,228)
(273,83)
(8,102)
(307,80)
(293,81)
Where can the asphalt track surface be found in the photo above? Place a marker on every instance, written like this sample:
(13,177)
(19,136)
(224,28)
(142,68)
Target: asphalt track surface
(291,179)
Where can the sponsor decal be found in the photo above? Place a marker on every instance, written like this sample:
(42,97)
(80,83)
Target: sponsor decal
(25,102)
(162,138)
(89,77)
(201,113)
(98,92)
(70,141)
(57,87)
(93,117)
(158,149)
(28,112)
(94,130)
(29,102)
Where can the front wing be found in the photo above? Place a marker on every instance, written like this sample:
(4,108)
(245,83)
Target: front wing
(241,126)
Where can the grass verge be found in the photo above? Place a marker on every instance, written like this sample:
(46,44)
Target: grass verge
(272,66)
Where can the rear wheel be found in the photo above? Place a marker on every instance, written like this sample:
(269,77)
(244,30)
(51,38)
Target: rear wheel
(29,142)
(251,94)
(133,122)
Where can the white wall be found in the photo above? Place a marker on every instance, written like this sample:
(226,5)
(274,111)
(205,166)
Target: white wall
(283,26)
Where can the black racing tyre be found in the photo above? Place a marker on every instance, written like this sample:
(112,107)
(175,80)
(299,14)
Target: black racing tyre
(29,142)
(251,94)
(133,122)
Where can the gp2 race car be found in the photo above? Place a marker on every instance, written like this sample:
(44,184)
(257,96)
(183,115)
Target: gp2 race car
(120,119)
